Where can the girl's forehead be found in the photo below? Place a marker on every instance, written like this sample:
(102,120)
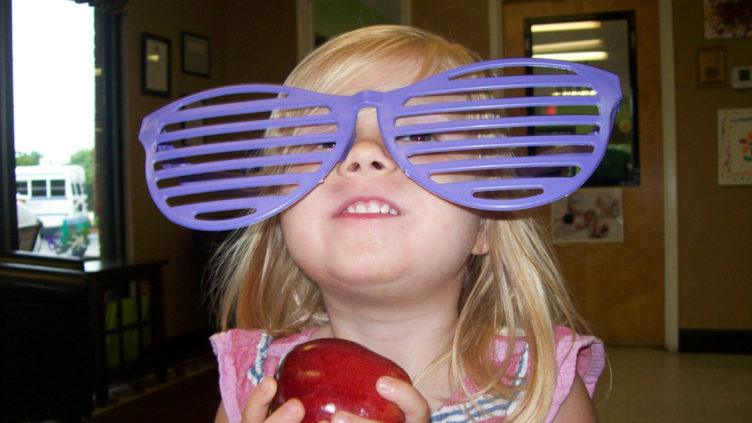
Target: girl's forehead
(382,77)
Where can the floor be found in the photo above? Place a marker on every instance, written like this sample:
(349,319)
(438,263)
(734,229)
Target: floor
(189,395)
(651,385)
(645,385)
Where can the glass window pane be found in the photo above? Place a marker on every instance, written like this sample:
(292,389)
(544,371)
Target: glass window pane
(57,188)
(54,121)
(604,42)
(39,189)
(22,188)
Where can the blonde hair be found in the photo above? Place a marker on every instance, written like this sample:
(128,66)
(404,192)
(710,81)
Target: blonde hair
(515,288)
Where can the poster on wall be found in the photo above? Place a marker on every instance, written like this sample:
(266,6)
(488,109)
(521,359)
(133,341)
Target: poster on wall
(728,18)
(589,215)
(735,147)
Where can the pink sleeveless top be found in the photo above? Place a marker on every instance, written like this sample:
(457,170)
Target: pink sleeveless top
(245,356)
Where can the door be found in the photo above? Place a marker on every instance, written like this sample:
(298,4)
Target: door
(618,286)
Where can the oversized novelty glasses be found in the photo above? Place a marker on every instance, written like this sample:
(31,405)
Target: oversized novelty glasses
(499,135)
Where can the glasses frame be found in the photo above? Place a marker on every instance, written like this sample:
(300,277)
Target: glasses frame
(390,106)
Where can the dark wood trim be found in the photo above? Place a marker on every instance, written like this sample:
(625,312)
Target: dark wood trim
(8,228)
(715,341)
(109,145)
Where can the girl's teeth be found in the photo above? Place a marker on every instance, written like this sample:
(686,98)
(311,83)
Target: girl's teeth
(371,207)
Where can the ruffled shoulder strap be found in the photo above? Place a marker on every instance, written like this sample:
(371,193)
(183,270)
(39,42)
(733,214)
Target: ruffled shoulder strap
(244,357)
(240,358)
(575,354)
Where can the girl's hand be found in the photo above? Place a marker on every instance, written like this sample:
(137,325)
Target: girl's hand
(407,398)
(257,407)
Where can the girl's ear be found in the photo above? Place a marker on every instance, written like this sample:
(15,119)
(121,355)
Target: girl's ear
(482,244)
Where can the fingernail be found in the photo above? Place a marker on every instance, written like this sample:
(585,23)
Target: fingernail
(340,418)
(263,383)
(384,385)
(290,410)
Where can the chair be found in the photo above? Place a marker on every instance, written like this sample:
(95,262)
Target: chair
(46,365)
(53,342)
(27,236)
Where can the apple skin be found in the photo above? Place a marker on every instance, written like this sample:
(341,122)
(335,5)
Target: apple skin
(329,375)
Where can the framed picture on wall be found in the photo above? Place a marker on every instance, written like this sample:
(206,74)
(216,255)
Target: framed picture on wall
(589,215)
(727,18)
(155,65)
(711,67)
(735,147)
(195,54)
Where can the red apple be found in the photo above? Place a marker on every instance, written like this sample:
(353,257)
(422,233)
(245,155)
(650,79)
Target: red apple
(328,375)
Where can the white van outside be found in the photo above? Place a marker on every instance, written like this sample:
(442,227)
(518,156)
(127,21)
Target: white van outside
(53,193)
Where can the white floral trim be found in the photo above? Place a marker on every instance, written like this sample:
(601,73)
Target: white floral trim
(486,407)
(256,372)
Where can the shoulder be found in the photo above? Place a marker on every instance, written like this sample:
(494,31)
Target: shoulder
(580,361)
(239,346)
(578,358)
(243,358)
(580,355)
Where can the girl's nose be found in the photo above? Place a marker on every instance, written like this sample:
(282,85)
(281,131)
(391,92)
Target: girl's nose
(368,156)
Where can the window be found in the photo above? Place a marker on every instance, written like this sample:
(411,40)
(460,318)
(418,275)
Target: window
(39,189)
(22,187)
(604,40)
(57,188)
(60,123)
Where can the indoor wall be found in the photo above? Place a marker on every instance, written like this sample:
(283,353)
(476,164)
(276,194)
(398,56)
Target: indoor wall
(715,229)
(250,42)
(619,287)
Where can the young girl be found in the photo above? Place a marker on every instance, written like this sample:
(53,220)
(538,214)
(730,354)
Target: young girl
(471,304)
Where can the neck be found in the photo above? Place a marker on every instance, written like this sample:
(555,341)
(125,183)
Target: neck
(412,334)
(413,331)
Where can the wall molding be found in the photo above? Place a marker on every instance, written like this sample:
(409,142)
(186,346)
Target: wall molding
(728,341)
(495,28)
(670,206)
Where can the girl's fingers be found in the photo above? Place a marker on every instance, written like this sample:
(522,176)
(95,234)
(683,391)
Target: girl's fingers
(407,398)
(345,417)
(257,406)
(258,402)
(291,411)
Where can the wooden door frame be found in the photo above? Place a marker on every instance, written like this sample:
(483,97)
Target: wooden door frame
(668,129)
(305,24)
(670,205)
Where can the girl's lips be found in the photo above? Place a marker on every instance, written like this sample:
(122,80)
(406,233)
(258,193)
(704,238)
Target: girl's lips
(369,207)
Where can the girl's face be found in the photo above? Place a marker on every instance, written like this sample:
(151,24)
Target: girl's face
(368,232)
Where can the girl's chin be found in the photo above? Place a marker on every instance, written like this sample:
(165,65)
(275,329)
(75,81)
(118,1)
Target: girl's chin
(366,295)
(361,279)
